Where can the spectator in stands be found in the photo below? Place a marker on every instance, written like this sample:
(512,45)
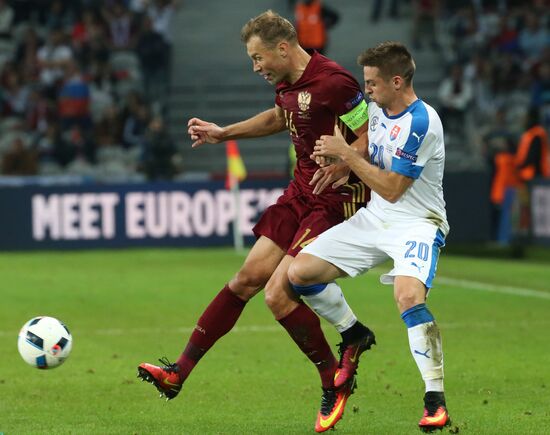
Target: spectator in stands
(425,18)
(102,82)
(85,28)
(161,13)
(488,18)
(498,149)
(153,53)
(479,73)
(15,95)
(313,22)
(474,37)
(75,148)
(136,120)
(47,145)
(540,91)
(96,49)
(158,151)
(533,153)
(506,40)
(41,111)
(508,75)
(455,94)
(504,182)
(497,136)
(19,160)
(533,38)
(74,98)
(108,130)
(121,26)
(138,8)
(52,58)
(377,6)
(6,20)
(60,15)
(26,55)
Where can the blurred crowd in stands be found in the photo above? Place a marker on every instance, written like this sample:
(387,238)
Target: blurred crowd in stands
(84,86)
(498,54)
(496,92)
(84,83)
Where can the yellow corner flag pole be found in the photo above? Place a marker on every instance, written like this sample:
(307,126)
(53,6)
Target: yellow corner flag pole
(236,172)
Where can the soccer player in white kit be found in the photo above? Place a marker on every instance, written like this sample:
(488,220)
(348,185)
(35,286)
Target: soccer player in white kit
(405,219)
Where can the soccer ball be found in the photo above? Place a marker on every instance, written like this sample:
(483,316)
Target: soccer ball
(44,342)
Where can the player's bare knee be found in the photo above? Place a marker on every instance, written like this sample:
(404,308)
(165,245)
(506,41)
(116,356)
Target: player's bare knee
(246,284)
(272,301)
(297,272)
(405,300)
(279,302)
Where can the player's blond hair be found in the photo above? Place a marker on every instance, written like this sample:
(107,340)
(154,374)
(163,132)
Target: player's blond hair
(271,28)
(391,58)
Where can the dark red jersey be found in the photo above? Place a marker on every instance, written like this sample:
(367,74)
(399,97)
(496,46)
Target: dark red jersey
(326,94)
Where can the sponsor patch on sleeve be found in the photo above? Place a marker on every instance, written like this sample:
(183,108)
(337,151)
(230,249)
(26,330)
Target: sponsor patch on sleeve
(405,155)
(355,101)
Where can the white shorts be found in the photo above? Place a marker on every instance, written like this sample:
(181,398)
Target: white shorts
(364,241)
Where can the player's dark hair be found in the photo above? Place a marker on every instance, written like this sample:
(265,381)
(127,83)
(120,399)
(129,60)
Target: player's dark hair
(271,28)
(391,58)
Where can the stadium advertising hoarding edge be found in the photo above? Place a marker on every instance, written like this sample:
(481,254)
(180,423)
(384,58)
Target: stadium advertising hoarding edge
(540,211)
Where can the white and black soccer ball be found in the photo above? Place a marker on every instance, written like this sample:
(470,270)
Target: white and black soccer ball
(44,342)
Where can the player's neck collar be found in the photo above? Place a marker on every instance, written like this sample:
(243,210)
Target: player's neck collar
(409,108)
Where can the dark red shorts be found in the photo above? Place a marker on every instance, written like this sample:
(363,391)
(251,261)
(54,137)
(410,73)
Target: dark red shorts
(297,218)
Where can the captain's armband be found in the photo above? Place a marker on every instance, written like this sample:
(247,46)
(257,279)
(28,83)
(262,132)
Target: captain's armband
(356,117)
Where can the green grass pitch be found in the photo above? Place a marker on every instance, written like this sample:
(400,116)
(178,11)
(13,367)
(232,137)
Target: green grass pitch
(126,307)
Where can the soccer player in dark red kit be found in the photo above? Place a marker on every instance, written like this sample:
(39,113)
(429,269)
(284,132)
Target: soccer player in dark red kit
(313,94)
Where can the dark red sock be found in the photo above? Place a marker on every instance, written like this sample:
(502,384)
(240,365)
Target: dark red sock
(305,329)
(216,321)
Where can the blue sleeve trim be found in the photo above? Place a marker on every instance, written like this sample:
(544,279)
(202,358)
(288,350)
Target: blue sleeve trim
(417,315)
(308,290)
(406,168)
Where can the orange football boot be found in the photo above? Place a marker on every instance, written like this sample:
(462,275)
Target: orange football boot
(435,415)
(333,403)
(166,379)
(349,358)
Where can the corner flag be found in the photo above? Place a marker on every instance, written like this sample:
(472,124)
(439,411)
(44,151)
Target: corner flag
(236,171)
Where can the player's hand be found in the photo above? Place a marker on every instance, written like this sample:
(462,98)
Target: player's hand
(331,147)
(202,131)
(335,175)
(323,161)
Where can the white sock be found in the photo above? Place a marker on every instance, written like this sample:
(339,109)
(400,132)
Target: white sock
(427,351)
(331,305)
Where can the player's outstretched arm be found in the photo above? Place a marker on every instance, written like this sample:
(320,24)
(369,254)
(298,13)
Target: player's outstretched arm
(203,131)
(263,124)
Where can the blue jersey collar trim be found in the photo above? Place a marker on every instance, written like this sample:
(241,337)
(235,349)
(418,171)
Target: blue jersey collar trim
(408,109)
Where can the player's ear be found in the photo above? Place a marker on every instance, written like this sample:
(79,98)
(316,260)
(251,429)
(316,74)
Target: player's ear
(283,48)
(397,82)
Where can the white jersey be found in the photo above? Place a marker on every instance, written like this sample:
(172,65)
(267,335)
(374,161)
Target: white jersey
(410,143)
